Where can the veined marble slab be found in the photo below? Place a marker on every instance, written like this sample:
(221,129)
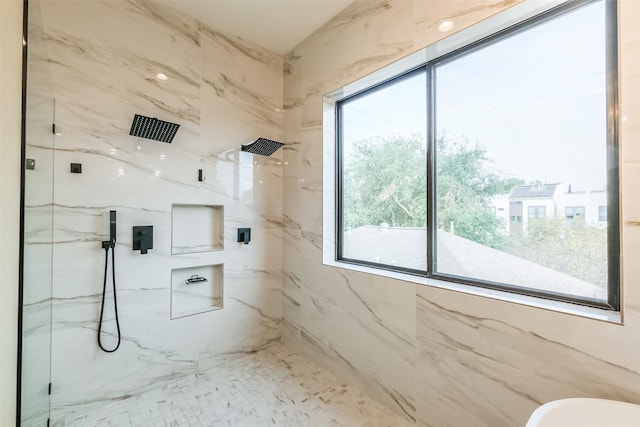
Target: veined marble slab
(438,357)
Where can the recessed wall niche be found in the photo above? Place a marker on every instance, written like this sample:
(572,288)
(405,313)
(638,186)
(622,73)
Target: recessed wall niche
(196,290)
(196,228)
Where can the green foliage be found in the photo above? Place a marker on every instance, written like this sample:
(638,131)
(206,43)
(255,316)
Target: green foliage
(384,182)
(464,187)
(502,185)
(571,247)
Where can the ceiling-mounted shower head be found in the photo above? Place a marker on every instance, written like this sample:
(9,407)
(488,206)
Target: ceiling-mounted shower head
(262,146)
(150,128)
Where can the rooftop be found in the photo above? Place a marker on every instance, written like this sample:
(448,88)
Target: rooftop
(534,190)
(407,247)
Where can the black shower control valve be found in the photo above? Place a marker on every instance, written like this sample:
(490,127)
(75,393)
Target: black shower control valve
(76,167)
(200,176)
(244,235)
(142,238)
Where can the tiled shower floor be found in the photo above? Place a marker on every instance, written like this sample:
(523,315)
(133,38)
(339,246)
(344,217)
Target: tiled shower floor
(274,387)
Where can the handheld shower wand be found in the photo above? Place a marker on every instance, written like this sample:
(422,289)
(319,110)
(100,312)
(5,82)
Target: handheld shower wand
(112,228)
(106,245)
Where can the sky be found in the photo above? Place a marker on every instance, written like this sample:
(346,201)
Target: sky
(535,101)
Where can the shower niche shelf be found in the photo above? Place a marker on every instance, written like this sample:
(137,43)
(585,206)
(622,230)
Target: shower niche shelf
(196,290)
(196,228)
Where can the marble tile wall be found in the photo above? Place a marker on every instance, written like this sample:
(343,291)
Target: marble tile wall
(224,92)
(438,357)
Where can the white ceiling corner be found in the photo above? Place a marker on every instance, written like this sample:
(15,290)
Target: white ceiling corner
(278,25)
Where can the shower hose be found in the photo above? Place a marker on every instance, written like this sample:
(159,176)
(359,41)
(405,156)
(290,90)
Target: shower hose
(109,245)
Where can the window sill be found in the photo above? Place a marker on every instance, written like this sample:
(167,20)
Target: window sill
(542,303)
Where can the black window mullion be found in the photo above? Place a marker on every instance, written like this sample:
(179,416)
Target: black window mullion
(431,175)
(338,184)
(613,170)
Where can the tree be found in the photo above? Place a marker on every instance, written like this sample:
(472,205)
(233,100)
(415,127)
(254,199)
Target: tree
(385,182)
(571,247)
(464,187)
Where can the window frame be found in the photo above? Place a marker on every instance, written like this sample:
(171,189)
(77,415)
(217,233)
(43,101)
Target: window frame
(612,161)
(600,216)
(575,212)
(539,212)
(339,226)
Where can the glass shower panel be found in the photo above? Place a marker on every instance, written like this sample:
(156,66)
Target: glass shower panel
(38,229)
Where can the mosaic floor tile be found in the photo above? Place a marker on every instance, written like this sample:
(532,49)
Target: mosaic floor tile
(273,387)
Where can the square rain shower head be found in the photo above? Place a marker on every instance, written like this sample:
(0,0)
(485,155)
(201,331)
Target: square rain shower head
(151,128)
(262,146)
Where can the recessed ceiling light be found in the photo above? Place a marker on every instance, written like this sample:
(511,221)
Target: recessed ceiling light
(445,26)
(161,76)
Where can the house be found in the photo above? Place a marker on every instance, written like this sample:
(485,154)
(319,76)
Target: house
(537,201)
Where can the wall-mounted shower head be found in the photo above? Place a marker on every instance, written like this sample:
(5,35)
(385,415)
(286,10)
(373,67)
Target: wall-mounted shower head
(150,128)
(262,146)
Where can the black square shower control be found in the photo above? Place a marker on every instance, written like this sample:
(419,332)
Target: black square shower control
(142,238)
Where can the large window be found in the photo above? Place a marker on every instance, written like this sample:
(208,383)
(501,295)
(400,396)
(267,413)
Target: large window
(438,167)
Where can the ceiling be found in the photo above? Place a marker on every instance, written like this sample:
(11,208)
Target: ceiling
(278,25)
